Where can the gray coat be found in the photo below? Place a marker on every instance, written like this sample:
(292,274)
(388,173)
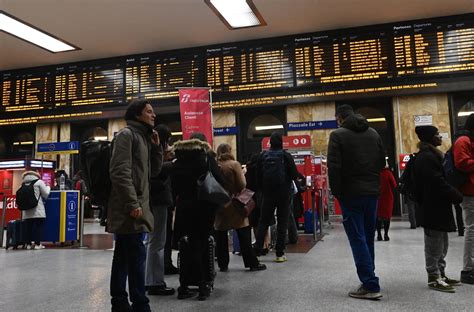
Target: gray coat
(355,158)
(134,161)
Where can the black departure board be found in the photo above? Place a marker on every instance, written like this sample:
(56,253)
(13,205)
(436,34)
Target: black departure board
(323,59)
(79,85)
(233,68)
(25,91)
(431,54)
(427,48)
(157,77)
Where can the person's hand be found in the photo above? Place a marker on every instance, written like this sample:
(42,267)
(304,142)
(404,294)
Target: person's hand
(136,213)
(155,139)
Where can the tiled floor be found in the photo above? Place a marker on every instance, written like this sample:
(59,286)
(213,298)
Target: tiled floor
(78,280)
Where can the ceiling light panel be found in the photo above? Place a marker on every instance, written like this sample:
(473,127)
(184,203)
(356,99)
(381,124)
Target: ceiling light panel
(237,13)
(22,30)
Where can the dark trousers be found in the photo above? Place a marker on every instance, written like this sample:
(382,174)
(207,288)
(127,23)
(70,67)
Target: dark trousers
(246,250)
(169,239)
(359,215)
(129,262)
(382,223)
(411,206)
(292,227)
(196,261)
(35,229)
(279,200)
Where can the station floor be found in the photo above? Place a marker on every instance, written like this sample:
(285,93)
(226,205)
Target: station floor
(65,279)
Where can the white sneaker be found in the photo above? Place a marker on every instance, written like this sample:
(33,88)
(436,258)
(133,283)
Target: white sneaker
(39,247)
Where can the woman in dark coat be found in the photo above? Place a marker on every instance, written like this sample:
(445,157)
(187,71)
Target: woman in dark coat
(385,203)
(194,218)
(434,213)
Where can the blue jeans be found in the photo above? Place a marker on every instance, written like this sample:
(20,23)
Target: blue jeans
(359,216)
(129,261)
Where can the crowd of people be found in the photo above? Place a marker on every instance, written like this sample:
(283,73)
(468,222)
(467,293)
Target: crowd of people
(155,191)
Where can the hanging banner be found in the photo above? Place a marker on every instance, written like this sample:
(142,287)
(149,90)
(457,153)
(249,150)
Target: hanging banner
(195,112)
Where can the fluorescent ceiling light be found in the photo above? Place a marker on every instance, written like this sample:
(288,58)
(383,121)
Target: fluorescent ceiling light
(237,13)
(176,133)
(22,30)
(462,114)
(272,127)
(376,119)
(100,138)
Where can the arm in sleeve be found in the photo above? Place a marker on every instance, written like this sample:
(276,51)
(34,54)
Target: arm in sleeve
(433,173)
(291,167)
(260,171)
(121,170)
(463,157)
(381,153)
(156,159)
(240,181)
(44,189)
(335,164)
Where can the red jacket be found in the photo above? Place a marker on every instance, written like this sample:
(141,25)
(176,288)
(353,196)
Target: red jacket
(463,152)
(385,202)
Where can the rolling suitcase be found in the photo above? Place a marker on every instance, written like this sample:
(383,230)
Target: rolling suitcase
(16,234)
(188,273)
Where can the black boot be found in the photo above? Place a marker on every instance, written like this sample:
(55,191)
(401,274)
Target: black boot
(184,292)
(386,226)
(378,225)
(204,291)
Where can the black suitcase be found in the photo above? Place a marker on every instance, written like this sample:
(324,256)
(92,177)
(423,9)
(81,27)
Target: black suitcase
(17,234)
(188,273)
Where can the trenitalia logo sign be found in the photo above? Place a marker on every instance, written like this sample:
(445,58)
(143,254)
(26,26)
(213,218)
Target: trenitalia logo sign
(195,111)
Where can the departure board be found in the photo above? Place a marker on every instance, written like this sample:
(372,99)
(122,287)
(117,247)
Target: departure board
(345,58)
(25,91)
(78,85)
(233,68)
(425,48)
(157,77)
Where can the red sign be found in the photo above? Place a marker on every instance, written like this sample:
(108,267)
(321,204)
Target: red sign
(195,112)
(12,212)
(290,142)
(404,158)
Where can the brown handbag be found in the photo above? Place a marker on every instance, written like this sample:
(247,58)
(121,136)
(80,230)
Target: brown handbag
(244,201)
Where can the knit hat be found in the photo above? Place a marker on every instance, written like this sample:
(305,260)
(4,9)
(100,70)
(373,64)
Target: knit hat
(426,133)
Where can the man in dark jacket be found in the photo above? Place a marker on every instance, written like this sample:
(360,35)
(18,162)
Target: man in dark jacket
(136,157)
(275,171)
(434,213)
(355,159)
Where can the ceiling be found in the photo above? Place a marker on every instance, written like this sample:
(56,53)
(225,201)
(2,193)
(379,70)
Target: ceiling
(107,28)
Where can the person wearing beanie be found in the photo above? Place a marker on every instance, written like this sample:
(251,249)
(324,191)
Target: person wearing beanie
(435,197)
(275,171)
(355,158)
(463,151)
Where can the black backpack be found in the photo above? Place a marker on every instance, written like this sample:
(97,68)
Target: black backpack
(95,158)
(25,196)
(273,170)
(454,176)
(407,185)
(95,163)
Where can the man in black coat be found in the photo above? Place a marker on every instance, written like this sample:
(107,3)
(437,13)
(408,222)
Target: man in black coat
(355,159)
(434,212)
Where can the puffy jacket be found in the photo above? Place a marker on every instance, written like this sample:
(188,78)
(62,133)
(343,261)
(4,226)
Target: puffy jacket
(135,160)
(463,151)
(435,194)
(42,190)
(355,158)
